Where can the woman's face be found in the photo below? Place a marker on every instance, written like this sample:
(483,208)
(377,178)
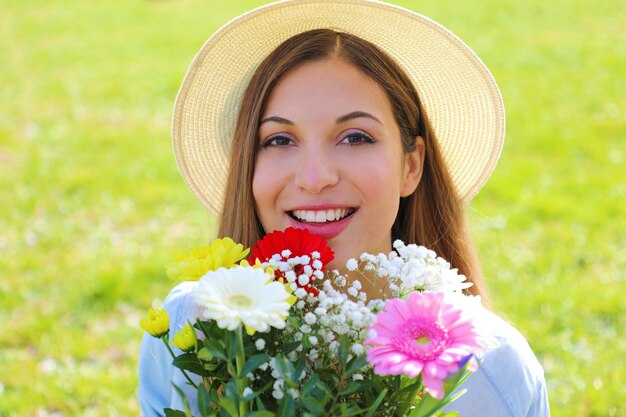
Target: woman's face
(330,159)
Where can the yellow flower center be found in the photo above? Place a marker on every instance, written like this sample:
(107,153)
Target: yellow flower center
(423,340)
(241,301)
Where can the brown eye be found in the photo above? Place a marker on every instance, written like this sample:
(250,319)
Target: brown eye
(357,138)
(278,140)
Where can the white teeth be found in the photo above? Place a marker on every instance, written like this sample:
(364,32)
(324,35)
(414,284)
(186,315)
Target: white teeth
(320,216)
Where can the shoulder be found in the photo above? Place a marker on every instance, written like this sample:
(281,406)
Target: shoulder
(512,346)
(180,306)
(512,367)
(509,380)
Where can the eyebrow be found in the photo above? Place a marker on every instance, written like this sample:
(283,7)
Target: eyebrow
(277,119)
(356,115)
(342,119)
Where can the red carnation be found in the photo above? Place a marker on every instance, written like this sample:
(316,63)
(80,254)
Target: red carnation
(299,242)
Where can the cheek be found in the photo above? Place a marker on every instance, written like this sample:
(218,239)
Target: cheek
(261,173)
(379,173)
(266,186)
(261,189)
(382,184)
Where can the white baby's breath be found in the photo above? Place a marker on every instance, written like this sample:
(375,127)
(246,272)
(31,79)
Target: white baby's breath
(310,318)
(352,264)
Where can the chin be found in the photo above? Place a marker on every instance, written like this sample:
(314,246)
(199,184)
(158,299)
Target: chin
(339,262)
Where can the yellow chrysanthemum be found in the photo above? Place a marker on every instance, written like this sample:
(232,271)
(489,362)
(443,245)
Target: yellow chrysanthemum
(257,265)
(185,339)
(157,322)
(222,253)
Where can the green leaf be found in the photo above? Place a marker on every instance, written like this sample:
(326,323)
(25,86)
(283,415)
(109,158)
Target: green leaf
(343,352)
(345,411)
(313,405)
(309,384)
(204,401)
(350,388)
(259,401)
(410,388)
(428,405)
(262,413)
(227,405)
(173,413)
(231,344)
(203,326)
(232,391)
(298,368)
(215,348)
(253,363)
(396,383)
(216,387)
(287,407)
(231,368)
(356,364)
(280,366)
(205,355)
(189,362)
(289,347)
(229,402)
(211,367)
(376,403)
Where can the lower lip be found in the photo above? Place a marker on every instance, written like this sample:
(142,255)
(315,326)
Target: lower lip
(326,230)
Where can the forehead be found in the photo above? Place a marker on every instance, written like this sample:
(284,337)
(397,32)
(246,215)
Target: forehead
(333,84)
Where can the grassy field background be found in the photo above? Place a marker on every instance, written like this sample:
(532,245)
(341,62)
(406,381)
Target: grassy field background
(92,205)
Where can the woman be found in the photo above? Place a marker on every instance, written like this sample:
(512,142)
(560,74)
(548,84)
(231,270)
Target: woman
(334,134)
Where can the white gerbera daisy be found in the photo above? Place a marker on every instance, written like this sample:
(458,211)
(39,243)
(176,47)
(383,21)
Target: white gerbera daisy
(243,295)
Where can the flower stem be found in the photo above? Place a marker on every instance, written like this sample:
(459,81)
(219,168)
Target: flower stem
(167,345)
(405,404)
(240,360)
(204,331)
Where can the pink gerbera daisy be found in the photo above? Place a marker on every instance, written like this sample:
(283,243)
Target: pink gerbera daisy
(427,335)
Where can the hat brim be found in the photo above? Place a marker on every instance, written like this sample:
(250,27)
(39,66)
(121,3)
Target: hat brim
(460,96)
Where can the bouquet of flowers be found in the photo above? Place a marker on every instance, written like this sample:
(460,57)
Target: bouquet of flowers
(280,335)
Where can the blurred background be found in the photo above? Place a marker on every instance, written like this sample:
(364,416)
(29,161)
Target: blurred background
(92,205)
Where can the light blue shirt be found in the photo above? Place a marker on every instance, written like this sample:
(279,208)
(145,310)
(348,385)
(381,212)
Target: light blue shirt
(508,383)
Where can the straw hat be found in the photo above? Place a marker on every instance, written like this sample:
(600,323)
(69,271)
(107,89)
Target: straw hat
(460,96)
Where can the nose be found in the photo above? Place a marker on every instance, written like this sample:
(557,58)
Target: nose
(316,170)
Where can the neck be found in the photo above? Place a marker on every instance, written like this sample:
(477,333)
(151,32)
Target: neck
(373,286)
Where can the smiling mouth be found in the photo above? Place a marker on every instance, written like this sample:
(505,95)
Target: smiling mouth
(321,216)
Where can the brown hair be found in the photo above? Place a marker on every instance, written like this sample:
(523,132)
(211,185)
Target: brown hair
(431,216)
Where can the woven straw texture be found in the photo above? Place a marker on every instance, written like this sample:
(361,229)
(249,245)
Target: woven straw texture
(461,97)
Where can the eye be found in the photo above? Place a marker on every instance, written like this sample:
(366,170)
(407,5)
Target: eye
(277,140)
(357,138)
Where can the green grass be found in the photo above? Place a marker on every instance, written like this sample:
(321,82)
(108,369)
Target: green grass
(93,205)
